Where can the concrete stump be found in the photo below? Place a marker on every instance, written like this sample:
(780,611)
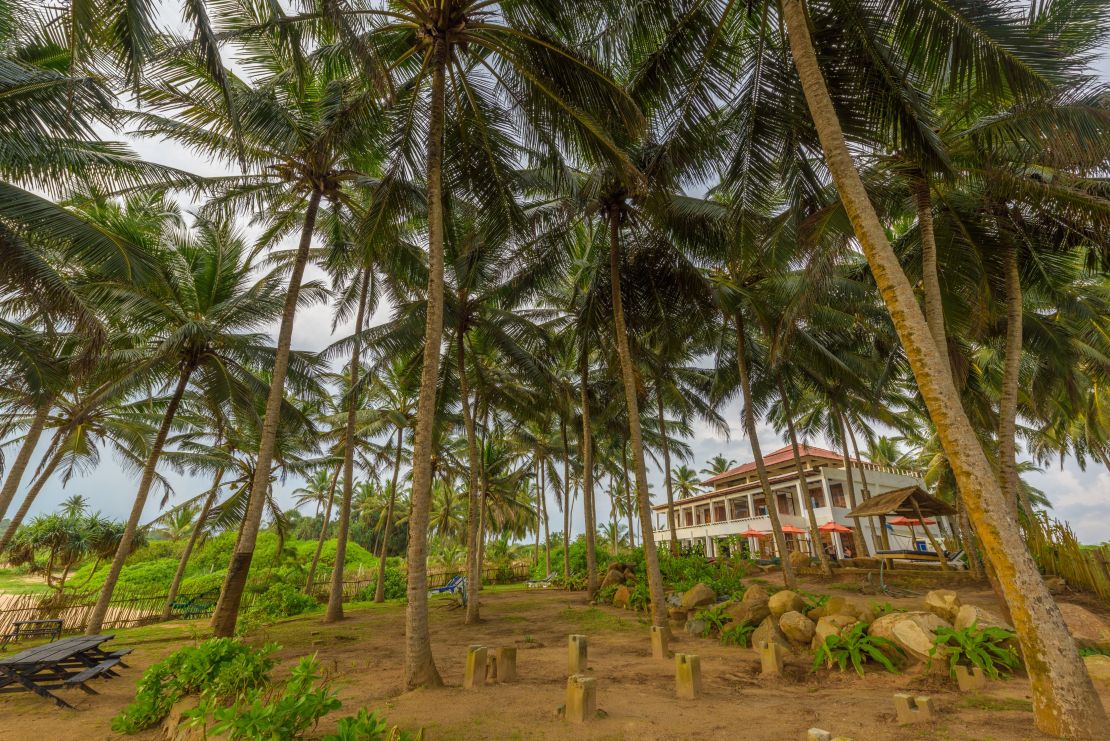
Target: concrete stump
(687,675)
(970,678)
(476,661)
(576,654)
(581,698)
(817,734)
(504,666)
(913,709)
(659,649)
(770,656)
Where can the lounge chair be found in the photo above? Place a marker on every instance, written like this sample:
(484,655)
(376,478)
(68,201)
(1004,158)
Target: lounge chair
(544,583)
(456,588)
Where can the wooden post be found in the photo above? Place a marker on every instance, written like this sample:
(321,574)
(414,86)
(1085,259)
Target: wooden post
(929,534)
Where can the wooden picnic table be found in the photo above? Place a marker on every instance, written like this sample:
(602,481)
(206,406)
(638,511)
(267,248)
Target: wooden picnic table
(70,662)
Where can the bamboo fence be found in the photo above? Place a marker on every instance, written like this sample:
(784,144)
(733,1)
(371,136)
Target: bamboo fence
(1058,553)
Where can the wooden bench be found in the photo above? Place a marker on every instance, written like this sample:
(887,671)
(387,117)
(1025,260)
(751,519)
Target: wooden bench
(51,628)
(79,679)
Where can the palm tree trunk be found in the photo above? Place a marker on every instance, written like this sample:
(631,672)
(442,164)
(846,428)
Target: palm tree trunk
(183,562)
(589,512)
(803,488)
(539,493)
(566,498)
(473,513)
(123,550)
(666,467)
(930,280)
(310,580)
(546,532)
(627,484)
(335,594)
(420,668)
(1064,699)
(36,486)
(866,495)
(628,378)
(748,414)
(1008,401)
(842,425)
(379,587)
(23,457)
(227,609)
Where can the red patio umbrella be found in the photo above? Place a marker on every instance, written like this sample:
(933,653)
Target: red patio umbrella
(791,530)
(834,527)
(753,533)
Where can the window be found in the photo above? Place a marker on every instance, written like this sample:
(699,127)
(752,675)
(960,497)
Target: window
(688,516)
(703,515)
(719,512)
(836,492)
(786,502)
(761,507)
(817,497)
(739,508)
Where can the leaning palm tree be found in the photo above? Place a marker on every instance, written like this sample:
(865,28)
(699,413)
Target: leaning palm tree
(204,320)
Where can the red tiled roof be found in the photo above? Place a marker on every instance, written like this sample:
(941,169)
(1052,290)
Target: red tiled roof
(778,456)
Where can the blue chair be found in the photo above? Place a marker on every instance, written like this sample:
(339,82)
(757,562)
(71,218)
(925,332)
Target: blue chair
(456,587)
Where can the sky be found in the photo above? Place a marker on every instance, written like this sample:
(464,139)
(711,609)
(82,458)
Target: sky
(1080,497)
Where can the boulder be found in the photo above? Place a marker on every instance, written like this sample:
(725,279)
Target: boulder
(677,614)
(1056,584)
(770,632)
(910,631)
(969,615)
(613,578)
(755,594)
(621,596)
(747,612)
(1087,628)
(831,625)
(783,602)
(799,560)
(673,599)
(695,626)
(697,596)
(797,627)
(944,603)
(1098,666)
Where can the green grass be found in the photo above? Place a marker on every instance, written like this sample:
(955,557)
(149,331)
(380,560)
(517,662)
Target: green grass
(12,582)
(593,619)
(1005,704)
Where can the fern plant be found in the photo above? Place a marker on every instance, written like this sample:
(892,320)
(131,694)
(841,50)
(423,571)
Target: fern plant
(714,618)
(985,648)
(856,648)
(813,601)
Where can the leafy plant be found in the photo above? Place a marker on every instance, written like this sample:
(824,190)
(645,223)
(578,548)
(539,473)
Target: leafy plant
(714,618)
(396,585)
(283,600)
(575,582)
(605,595)
(738,634)
(885,608)
(366,726)
(261,715)
(857,648)
(1093,651)
(638,596)
(222,668)
(985,648)
(813,600)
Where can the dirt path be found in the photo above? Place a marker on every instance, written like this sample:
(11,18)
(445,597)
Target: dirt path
(363,656)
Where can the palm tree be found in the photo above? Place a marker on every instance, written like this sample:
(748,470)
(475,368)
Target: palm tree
(74,506)
(717,465)
(178,523)
(316,490)
(203,319)
(685,481)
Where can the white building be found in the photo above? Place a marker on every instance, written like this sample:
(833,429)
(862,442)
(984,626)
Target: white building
(736,504)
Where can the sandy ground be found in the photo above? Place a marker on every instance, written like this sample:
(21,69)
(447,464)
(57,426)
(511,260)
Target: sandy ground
(363,656)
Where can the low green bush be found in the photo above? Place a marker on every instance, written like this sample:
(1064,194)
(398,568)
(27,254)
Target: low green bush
(857,648)
(283,600)
(396,585)
(738,634)
(714,618)
(221,668)
(987,648)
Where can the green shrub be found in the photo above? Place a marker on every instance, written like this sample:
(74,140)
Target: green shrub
(885,608)
(715,619)
(203,582)
(812,600)
(257,714)
(605,595)
(855,647)
(575,582)
(366,726)
(1093,651)
(222,668)
(738,634)
(396,585)
(985,648)
(639,597)
(283,600)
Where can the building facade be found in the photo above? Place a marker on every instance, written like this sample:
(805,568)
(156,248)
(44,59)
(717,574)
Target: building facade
(735,505)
